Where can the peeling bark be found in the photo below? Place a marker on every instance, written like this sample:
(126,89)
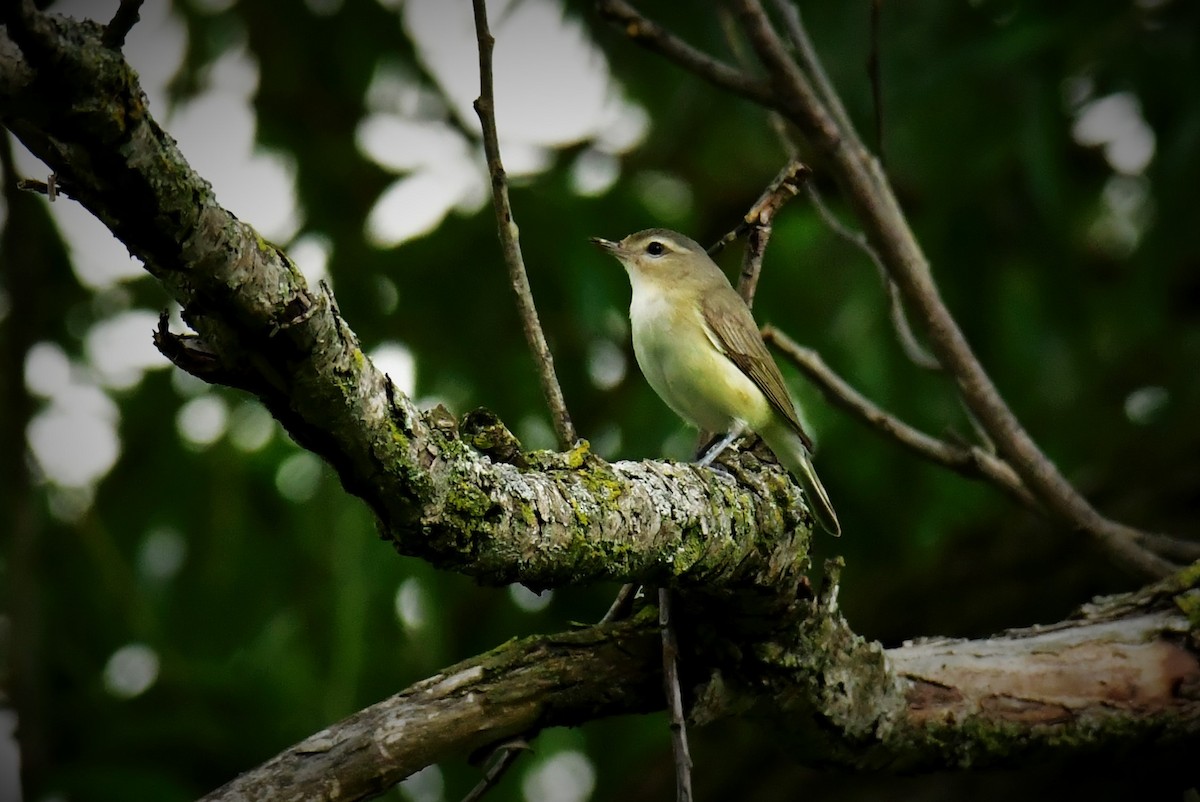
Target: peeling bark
(1122,673)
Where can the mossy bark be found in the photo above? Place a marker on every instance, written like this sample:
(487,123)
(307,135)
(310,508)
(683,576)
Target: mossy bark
(465,497)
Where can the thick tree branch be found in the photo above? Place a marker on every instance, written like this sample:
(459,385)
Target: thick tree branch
(1124,670)
(869,193)
(1123,667)
(485,107)
(810,63)
(465,499)
(523,686)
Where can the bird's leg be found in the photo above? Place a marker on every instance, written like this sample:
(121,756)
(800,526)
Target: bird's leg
(715,450)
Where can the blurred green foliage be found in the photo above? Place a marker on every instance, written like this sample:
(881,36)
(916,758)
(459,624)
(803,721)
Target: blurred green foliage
(282,616)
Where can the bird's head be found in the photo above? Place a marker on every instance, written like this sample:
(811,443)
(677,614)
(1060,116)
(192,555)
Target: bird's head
(655,253)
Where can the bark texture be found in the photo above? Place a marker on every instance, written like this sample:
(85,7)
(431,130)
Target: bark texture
(1123,672)
(517,688)
(466,500)
(462,494)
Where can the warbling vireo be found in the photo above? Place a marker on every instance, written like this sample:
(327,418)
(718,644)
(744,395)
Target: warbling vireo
(698,346)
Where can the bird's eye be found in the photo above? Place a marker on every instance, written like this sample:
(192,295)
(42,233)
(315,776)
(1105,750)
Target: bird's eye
(655,248)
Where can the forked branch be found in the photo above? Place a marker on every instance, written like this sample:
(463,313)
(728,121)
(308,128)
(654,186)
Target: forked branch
(870,194)
(757,222)
(797,95)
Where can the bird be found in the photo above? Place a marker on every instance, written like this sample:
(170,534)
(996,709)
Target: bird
(700,350)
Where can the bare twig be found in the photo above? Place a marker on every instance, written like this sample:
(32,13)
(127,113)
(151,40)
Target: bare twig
(1170,547)
(756,224)
(783,187)
(679,742)
(652,36)
(969,461)
(485,107)
(622,605)
(870,194)
(912,347)
(505,755)
(810,63)
(122,23)
(756,246)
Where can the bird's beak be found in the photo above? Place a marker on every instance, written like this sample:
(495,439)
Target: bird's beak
(606,245)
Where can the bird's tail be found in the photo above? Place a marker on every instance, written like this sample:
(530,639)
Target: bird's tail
(791,451)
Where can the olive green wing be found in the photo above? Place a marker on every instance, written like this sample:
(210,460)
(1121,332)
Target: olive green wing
(734,332)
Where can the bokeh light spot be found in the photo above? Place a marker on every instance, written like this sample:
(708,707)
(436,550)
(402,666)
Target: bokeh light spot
(131,671)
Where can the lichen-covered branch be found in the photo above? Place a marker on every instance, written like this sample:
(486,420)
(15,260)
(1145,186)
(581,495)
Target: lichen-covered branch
(1123,668)
(464,495)
(522,686)
(468,499)
(1123,671)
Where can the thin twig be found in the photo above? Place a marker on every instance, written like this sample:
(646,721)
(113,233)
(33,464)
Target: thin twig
(760,219)
(505,755)
(912,347)
(737,45)
(756,225)
(122,23)
(485,107)
(622,605)
(969,461)
(783,187)
(654,37)
(756,247)
(1184,551)
(811,65)
(871,196)
(679,742)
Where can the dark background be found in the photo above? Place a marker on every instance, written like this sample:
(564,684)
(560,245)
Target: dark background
(281,617)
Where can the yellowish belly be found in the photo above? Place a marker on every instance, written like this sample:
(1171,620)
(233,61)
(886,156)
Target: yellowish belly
(694,379)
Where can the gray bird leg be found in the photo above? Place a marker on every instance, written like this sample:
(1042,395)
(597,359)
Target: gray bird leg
(715,451)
